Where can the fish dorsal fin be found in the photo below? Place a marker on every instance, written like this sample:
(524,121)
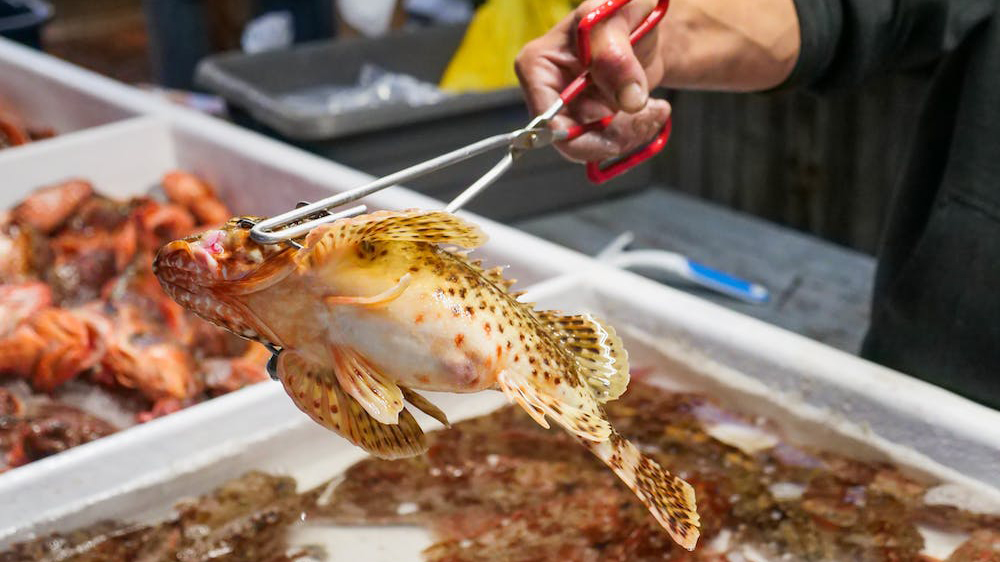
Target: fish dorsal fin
(432,227)
(316,391)
(597,349)
(494,274)
(377,394)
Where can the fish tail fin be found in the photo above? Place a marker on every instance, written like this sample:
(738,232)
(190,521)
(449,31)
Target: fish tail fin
(597,349)
(669,498)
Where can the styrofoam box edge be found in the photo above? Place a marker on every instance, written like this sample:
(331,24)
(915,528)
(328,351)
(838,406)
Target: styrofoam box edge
(259,428)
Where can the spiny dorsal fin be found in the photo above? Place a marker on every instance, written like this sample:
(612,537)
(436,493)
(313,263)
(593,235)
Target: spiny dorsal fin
(315,390)
(432,227)
(457,251)
(597,348)
(493,275)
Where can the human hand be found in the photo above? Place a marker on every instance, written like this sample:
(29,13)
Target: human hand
(622,74)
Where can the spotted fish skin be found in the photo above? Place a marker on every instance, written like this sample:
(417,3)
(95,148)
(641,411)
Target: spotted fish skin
(372,308)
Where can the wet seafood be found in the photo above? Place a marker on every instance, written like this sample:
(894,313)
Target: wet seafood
(14,132)
(49,348)
(51,428)
(79,304)
(371,309)
(501,489)
(23,250)
(197,196)
(49,207)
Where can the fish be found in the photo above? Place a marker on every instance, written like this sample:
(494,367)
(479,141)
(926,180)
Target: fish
(369,310)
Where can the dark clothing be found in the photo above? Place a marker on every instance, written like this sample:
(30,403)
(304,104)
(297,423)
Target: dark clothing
(936,308)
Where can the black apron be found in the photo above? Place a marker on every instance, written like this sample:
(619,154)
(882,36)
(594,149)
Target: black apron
(936,306)
(936,309)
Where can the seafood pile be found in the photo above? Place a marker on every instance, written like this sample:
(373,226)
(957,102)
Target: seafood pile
(501,488)
(14,131)
(89,343)
(370,309)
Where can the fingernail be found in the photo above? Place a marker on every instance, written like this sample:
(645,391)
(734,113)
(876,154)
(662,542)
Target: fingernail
(632,97)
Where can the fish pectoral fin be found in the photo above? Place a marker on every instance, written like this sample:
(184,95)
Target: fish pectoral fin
(381,299)
(598,351)
(375,392)
(315,390)
(433,227)
(425,406)
(668,498)
(572,407)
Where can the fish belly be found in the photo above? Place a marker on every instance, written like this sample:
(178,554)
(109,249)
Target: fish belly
(416,346)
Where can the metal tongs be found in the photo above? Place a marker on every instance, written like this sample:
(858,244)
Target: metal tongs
(287,227)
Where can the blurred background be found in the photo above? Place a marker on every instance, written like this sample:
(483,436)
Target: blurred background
(822,166)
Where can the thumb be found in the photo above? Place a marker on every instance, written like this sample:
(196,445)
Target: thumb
(615,68)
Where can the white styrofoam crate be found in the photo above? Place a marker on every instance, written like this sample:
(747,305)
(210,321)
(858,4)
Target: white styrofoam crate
(47,92)
(852,406)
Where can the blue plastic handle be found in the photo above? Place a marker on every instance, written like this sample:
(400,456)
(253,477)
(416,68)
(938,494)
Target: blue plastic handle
(728,284)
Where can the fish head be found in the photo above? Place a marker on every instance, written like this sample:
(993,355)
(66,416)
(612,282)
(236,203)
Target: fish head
(204,271)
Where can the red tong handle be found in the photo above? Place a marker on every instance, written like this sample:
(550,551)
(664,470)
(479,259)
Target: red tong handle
(595,171)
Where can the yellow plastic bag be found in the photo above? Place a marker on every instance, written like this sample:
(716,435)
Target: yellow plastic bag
(485,59)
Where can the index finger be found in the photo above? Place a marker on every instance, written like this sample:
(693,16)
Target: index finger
(540,79)
(546,65)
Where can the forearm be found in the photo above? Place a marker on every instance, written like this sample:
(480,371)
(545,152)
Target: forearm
(729,45)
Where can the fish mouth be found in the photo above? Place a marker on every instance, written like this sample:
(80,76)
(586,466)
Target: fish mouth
(194,278)
(185,266)
(187,273)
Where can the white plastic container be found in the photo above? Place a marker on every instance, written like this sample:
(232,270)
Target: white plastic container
(48,93)
(815,394)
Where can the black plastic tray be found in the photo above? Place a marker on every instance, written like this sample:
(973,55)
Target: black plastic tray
(257,83)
